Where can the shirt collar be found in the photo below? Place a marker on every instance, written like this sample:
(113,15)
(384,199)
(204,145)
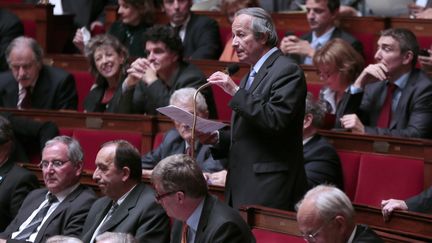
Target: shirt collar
(261,61)
(122,198)
(63,194)
(323,38)
(193,220)
(350,240)
(402,81)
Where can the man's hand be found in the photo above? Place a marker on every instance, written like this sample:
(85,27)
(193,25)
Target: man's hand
(217,178)
(141,69)
(224,81)
(352,122)
(388,206)
(294,45)
(426,61)
(208,138)
(371,73)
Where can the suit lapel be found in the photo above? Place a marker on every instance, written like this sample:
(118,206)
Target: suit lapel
(406,94)
(41,89)
(203,221)
(262,73)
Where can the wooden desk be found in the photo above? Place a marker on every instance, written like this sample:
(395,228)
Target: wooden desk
(52,31)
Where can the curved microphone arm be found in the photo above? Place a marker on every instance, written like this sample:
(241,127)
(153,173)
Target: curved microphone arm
(195,118)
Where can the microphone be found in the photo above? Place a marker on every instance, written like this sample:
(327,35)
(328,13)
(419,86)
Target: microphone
(231,69)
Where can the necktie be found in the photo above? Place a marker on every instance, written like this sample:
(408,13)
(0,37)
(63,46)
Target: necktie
(386,110)
(37,220)
(184,233)
(110,213)
(251,78)
(177,29)
(26,102)
(189,150)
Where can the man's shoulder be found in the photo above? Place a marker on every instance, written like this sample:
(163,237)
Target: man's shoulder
(54,72)
(201,19)
(339,33)
(6,77)
(190,69)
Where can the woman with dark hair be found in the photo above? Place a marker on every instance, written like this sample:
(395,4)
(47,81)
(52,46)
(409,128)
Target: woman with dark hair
(136,16)
(338,64)
(108,63)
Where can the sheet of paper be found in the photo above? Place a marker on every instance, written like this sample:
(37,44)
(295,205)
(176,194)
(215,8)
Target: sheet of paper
(182,116)
(389,8)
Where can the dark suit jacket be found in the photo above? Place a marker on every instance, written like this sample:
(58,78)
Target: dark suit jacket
(145,99)
(337,33)
(202,38)
(421,203)
(67,219)
(265,163)
(413,116)
(15,184)
(173,143)
(139,215)
(131,37)
(92,102)
(54,90)
(10,28)
(322,163)
(218,223)
(364,234)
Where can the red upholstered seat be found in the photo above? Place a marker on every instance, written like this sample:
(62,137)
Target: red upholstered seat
(221,100)
(91,141)
(83,81)
(66,131)
(382,177)
(350,165)
(314,88)
(369,42)
(266,236)
(158,139)
(29,28)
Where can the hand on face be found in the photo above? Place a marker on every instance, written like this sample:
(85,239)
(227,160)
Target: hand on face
(372,73)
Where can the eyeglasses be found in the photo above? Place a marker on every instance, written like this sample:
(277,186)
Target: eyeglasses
(325,75)
(159,197)
(311,237)
(55,163)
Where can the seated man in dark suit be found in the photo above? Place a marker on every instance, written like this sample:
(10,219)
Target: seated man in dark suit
(322,164)
(391,97)
(199,33)
(152,80)
(61,207)
(31,84)
(15,182)
(321,15)
(182,192)
(326,215)
(421,203)
(177,141)
(128,205)
(10,28)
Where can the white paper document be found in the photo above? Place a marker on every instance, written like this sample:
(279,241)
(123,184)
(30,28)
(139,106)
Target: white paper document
(182,116)
(389,8)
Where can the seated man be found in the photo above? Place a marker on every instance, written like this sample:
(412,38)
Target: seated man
(421,203)
(321,161)
(15,182)
(199,34)
(31,84)
(326,215)
(128,205)
(391,97)
(61,207)
(115,237)
(182,192)
(152,80)
(321,15)
(177,141)
(10,28)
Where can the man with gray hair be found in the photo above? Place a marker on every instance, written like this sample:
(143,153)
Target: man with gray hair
(178,140)
(326,215)
(31,84)
(264,148)
(321,160)
(62,206)
(201,218)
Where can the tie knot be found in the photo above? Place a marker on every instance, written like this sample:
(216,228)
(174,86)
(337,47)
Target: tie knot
(253,73)
(391,86)
(114,206)
(177,29)
(52,198)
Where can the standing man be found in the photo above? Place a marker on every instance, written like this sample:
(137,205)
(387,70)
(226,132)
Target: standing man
(200,218)
(61,207)
(199,33)
(321,16)
(128,205)
(265,151)
(391,97)
(31,84)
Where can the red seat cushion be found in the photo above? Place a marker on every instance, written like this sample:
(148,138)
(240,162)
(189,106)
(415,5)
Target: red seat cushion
(383,177)
(66,131)
(83,81)
(350,165)
(221,100)
(91,141)
(266,236)
(29,28)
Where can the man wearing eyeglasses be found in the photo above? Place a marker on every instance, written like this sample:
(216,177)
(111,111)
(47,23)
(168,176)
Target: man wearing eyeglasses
(326,215)
(200,218)
(128,205)
(61,207)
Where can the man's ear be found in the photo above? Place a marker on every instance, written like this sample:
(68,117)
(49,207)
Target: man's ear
(126,173)
(307,121)
(408,57)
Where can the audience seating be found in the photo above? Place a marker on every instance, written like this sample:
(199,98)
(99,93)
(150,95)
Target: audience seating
(350,162)
(83,81)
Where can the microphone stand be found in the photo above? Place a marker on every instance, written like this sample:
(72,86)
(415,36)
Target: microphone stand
(195,118)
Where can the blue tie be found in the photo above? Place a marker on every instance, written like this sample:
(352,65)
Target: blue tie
(251,78)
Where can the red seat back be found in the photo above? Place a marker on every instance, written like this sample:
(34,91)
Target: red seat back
(91,141)
(221,100)
(158,140)
(66,131)
(350,165)
(266,236)
(382,177)
(314,88)
(29,28)
(83,81)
